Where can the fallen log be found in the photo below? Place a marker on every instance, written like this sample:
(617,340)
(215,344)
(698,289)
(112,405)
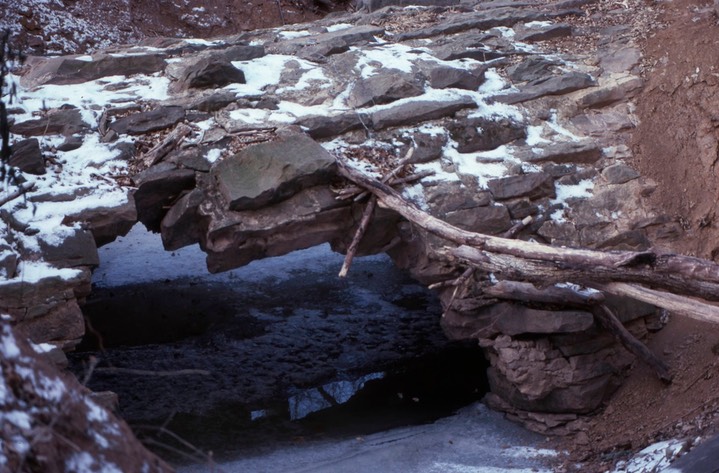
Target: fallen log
(546,265)
(361,229)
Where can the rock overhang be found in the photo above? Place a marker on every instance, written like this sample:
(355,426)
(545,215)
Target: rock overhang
(498,162)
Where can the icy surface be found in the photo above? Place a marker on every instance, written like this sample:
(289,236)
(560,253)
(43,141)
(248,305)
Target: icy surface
(470,441)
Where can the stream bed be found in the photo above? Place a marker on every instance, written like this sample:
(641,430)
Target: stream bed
(282,366)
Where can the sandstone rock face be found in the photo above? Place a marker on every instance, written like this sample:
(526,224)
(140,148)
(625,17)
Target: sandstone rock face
(502,130)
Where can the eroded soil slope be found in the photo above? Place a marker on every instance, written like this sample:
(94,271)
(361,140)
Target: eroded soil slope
(676,144)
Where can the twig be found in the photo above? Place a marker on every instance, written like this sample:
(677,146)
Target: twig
(153,373)
(392,174)
(22,189)
(610,322)
(163,430)
(518,227)
(282,15)
(459,284)
(351,191)
(361,229)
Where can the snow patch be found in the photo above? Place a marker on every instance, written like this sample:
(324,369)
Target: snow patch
(293,34)
(260,73)
(338,27)
(655,457)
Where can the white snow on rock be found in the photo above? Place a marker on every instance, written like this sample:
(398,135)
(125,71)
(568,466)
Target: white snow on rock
(652,459)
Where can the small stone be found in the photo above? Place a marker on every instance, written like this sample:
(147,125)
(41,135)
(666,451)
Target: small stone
(26,156)
(619,174)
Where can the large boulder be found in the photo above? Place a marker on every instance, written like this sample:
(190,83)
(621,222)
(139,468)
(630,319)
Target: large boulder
(272,171)
(82,435)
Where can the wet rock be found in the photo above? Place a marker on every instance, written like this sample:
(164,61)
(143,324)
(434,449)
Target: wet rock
(579,152)
(157,188)
(491,220)
(180,227)
(531,69)
(619,174)
(483,134)
(383,88)
(146,122)
(77,249)
(64,121)
(533,186)
(72,70)
(272,171)
(443,77)
(418,111)
(555,85)
(27,157)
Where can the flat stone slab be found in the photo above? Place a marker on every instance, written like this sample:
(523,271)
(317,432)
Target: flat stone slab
(66,121)
(418,111)
(383,88)
(272,171)
(513,319)
(533,186)
(554,85)
(320,126)
(147,122)
(71,70)
(575,152)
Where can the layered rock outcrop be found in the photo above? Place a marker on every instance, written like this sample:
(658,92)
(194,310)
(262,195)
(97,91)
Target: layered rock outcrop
(510,123)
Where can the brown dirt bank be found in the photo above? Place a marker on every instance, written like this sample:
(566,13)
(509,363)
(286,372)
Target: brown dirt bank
(677,145)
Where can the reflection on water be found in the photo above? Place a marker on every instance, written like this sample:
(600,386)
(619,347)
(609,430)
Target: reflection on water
(326,396)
